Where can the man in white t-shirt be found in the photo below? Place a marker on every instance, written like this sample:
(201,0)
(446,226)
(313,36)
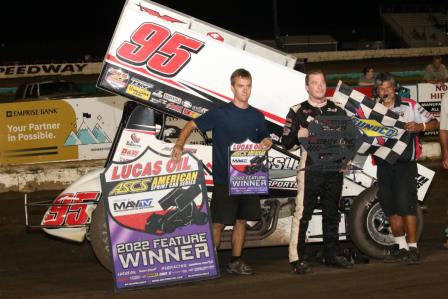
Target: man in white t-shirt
(443,135)
(436,72)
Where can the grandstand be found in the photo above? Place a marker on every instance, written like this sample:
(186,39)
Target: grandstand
(418,30)
(417,25)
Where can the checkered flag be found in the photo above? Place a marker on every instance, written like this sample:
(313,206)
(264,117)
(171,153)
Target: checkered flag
(373,119)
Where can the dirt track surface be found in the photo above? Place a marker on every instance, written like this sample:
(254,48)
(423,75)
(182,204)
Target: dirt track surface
(34,265)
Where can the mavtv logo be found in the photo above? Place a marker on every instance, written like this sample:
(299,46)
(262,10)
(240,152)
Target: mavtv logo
(132,205)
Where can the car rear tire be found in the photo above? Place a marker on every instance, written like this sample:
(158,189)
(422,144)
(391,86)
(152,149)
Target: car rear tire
(368,226)
(99,238)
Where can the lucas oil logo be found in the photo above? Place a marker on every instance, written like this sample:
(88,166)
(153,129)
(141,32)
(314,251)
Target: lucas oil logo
(372,128)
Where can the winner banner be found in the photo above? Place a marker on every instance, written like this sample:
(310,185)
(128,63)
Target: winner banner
(248,169)
(158,221)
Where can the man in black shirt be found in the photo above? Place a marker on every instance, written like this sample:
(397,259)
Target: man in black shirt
(311,184)
(233,122)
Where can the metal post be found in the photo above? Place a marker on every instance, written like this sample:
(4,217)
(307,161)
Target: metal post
(275,18)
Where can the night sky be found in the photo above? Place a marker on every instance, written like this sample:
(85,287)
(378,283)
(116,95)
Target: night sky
(40,30)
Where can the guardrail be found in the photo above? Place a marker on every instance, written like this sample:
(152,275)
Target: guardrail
(369,54)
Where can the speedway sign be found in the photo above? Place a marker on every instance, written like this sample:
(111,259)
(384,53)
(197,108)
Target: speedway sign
(182,66)
(158,221)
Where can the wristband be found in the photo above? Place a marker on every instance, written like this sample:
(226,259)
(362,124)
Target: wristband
(424,127)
